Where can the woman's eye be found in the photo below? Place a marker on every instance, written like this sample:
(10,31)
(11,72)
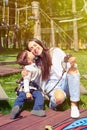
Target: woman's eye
(31,48)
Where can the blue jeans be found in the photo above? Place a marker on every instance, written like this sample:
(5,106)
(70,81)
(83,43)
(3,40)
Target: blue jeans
(73,83)
(70,86)
(38,102)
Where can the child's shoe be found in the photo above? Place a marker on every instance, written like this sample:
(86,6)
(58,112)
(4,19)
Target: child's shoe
(38,113)
(15,111)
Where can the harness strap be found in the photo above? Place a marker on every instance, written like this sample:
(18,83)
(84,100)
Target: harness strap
(57,82)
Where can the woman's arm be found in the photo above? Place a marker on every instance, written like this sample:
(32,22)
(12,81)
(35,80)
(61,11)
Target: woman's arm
(24,73)
(57,58)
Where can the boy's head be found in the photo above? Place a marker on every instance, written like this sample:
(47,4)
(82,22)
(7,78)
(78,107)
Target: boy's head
(25,58)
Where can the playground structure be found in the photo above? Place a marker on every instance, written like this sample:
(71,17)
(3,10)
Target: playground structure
(31,26)
(14,29)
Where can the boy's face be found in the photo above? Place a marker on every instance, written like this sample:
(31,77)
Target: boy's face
(30,57)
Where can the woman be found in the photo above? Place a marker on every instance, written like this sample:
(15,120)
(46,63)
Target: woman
(56,83)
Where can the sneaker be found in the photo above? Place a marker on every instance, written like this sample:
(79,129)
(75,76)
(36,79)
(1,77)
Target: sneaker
(38,113)
(15,111)
(53,107)
(75,112)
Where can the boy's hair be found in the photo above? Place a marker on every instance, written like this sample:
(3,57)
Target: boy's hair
(22,58)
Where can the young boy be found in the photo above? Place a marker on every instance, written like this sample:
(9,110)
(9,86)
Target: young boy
(26,59)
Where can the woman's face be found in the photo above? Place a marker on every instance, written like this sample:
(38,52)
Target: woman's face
(35,48)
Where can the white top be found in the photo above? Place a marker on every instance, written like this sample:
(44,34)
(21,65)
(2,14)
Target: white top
(56,69)
(34,75)
(57,58)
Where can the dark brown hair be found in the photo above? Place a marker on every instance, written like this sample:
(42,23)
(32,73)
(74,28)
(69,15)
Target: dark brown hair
(45,59)
(22,58)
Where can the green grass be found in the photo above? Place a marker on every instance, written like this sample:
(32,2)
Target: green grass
(9,82)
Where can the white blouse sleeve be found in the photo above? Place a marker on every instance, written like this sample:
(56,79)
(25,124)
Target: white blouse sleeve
(57,58)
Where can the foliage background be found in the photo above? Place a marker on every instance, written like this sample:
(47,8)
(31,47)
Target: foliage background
(56,10)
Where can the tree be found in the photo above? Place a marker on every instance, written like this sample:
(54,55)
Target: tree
(75,31)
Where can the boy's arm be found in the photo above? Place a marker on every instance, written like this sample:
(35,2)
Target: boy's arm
(26,77)
(26,82)
(26,87)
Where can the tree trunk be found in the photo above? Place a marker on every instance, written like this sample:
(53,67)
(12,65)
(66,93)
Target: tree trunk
(75,31)
(1,48)
(52,34)
(37,26)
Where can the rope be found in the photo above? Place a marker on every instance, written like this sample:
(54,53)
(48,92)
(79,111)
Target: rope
(49,18)
(56,83)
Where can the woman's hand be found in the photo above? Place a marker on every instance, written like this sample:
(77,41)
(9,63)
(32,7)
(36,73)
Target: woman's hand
(73,69)
(72,61)
(24,73)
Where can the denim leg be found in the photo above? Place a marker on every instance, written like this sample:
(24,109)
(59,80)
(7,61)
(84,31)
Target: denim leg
(39,100)
(74,86)
(20,99)
(59,86)
(52,103)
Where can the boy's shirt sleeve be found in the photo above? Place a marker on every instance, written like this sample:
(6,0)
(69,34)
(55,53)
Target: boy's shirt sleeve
(26,83)
(27,79)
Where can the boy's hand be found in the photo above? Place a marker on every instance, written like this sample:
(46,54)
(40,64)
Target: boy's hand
(29,95)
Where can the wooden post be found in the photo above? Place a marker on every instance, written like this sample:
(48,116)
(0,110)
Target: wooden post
(15,13)
(75,31)
(3,10)
(52,44)
(37,26)
(85,5)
